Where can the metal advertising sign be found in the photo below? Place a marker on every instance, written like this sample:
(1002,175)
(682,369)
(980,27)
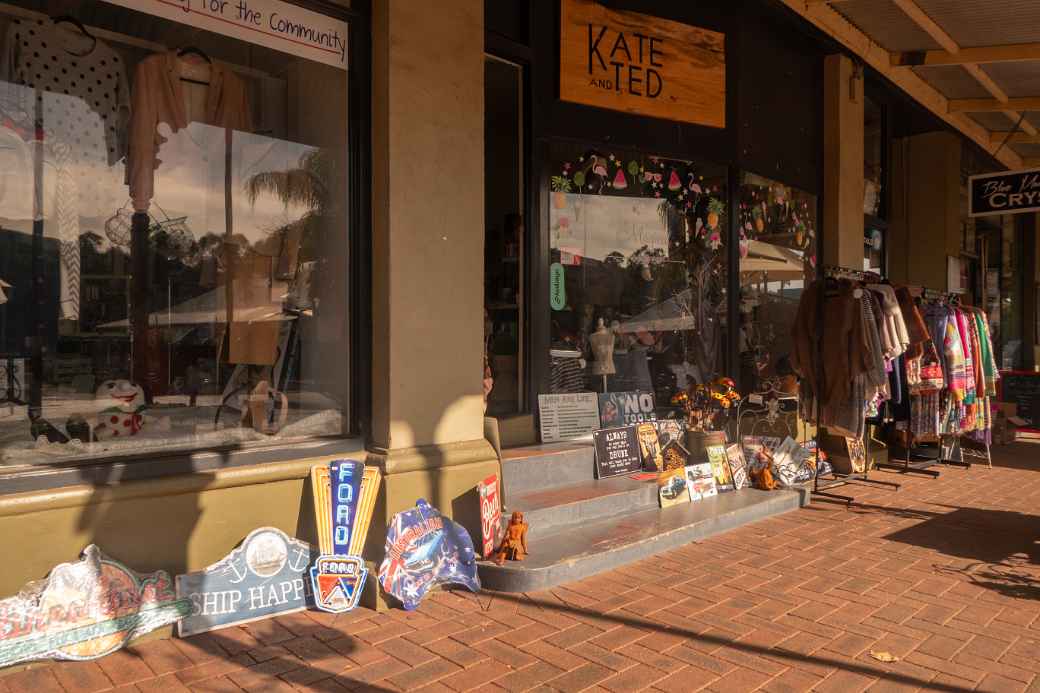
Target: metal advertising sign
(425,549)
(490,514)
(1008,192)
(85,610)
(266,575)
(345,494)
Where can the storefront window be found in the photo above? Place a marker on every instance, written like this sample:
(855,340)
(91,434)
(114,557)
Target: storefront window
(777,260)
(173,250)
(638,273)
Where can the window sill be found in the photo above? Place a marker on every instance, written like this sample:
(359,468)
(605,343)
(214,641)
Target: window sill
(29,478)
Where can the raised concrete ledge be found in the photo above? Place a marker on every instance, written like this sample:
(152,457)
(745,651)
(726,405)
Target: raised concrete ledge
(578,551)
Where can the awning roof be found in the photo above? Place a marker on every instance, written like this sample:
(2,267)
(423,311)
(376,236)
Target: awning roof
(974,63)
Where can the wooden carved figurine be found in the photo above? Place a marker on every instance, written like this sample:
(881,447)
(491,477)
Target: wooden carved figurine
(514,544)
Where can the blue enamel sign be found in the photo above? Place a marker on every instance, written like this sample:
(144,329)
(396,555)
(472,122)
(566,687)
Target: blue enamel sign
(425,549)
(265,576)
(345,476)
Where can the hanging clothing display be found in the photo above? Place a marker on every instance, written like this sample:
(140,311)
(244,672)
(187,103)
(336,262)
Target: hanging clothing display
(159,98)
(76,86)
(880,355)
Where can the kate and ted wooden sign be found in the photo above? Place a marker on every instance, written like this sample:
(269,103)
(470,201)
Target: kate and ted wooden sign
(639,64)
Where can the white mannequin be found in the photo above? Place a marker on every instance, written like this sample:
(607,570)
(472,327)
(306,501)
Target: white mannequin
(602,343)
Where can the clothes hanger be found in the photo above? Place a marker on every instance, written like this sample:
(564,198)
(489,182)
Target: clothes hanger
(69,19)
(198,52)
(192,50)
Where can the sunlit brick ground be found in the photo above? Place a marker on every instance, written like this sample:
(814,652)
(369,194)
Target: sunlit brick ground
(943,574)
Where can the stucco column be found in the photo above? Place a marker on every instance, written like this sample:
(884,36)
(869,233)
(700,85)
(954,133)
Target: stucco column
(428,260)
(842,163)
(926,213)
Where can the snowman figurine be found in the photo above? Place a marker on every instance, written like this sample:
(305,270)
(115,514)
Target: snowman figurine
(122,410)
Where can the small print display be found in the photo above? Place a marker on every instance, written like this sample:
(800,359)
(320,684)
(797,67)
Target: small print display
(617,452)
(268,574)
(625,408)
(85,610)
(758,451)
(857,454)
(425,549)
(568,416)
(650,447)
(669,430)
(671,488)
(490,514)
(700,481)
(737,466)
(675,456)
(720,467)
(791,463)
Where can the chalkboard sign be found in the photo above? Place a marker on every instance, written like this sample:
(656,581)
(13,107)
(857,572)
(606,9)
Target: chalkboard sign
(617,451)
(1010,192)
(1022,388)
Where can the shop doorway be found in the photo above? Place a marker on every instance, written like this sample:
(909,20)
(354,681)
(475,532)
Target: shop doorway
(504,237)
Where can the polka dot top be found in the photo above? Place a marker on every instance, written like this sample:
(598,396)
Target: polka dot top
(41,55)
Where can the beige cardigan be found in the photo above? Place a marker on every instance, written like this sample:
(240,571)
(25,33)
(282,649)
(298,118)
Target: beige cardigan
(158,97)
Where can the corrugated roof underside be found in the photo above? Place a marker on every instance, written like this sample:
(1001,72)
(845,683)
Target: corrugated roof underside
(886,24)
(985,22)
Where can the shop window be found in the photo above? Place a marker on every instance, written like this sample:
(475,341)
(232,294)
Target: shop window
(173,254)
(777,259)
(504,237)
(638,295)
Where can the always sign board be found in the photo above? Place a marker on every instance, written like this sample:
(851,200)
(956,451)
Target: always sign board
(85,610)
(1010,192)
(641,64)
(271,23)
(265,576)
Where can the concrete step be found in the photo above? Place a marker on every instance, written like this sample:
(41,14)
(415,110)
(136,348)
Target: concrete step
(540,467)
(548,509)
(576,551)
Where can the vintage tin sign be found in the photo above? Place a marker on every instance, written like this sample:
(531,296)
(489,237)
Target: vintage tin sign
(345,493)
(490,514)
(345,479)
(425,549)
(338,582)
(266,575)
(85,610)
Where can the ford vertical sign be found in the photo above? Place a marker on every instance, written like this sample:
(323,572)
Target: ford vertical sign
(1009,192)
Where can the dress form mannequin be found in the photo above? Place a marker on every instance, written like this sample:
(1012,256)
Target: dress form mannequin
(602,342)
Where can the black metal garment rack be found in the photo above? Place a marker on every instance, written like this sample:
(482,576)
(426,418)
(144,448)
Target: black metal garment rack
(821,488)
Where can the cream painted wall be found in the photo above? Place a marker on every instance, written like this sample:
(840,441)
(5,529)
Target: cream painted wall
(428,222)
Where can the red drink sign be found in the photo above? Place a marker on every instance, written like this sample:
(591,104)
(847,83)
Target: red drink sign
(490,514)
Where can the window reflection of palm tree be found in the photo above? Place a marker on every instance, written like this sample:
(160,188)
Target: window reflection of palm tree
(305,186)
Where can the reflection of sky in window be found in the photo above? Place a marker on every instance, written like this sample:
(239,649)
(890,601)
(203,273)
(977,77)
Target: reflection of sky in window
(191,182)
(188,183)
(594,226)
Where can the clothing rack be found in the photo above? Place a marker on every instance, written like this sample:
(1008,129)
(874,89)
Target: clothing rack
(823,488)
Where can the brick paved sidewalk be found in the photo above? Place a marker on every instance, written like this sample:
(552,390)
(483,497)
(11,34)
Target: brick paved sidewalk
(943,574)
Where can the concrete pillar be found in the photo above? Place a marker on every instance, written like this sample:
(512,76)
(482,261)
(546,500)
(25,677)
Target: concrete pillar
(926,212)
(428,261)
(842,229)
